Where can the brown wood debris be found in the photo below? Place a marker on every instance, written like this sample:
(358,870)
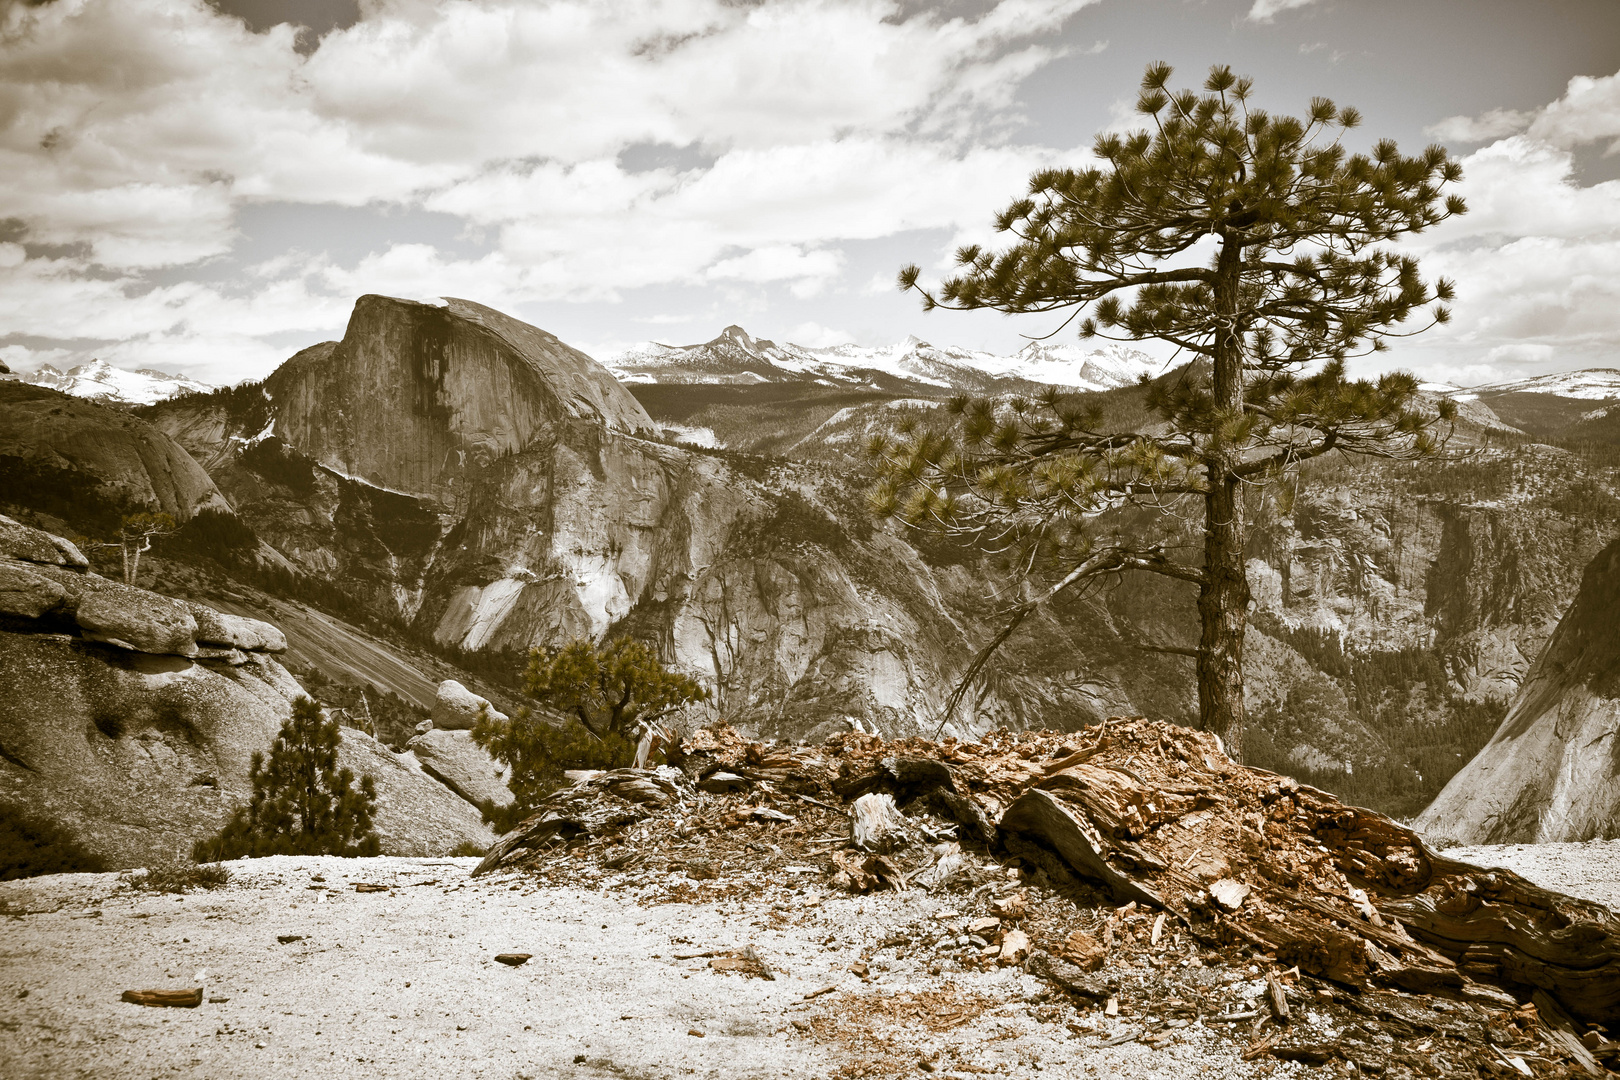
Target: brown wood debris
(171,999)
(1232,857)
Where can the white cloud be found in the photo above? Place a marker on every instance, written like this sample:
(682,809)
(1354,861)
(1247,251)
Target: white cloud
(1537,258)
(1487,126)
(133,131)
(1266,10)
(813,335)
(1588,112)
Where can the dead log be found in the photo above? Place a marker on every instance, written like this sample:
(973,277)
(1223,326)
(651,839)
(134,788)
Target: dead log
(1161,816)
(171,999)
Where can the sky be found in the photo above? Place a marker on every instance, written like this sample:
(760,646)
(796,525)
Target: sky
(206,187)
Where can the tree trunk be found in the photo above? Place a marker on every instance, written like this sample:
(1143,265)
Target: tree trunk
(1223,608)
(1223,598)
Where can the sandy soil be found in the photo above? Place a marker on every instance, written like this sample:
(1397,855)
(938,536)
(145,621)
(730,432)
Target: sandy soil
(404,983)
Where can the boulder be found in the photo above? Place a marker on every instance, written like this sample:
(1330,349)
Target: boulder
(456,707)
(235,632)
(27,594)
(18,541)
(416,815)
(453,759)
(136,619)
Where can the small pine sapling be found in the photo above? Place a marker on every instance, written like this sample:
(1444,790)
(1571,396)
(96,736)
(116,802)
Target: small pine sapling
(302,802)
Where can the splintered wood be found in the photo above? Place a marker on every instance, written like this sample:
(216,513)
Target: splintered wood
(1155,814)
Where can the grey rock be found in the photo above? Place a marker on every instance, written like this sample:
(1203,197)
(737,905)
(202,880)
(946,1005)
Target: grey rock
(130,465)
(1548,774)
(456,708)
(452,758)
(235,631)
(136,619)
(27,594)
(18,541)
(140,755)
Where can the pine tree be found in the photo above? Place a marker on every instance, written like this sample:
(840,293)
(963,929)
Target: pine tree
(302,803)
(1250,243)
(609,693)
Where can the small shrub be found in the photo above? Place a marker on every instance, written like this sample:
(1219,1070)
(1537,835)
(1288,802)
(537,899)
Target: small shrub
(31,846)
(178,876)
(468,849)
(539,754)
(608,692)
(302,803)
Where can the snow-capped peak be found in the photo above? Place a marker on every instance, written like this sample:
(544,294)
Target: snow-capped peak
(1591,384)
(737,357)
(100,381)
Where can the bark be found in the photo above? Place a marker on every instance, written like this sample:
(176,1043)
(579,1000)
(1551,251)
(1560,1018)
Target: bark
(1160,817)
(1223,597)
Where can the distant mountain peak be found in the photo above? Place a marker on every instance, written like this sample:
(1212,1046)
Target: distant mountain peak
(99,380)
(911,366)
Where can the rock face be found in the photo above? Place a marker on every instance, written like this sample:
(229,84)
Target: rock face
(89,465)
(116,724)
(504,500)
(1551,773)
(419,398)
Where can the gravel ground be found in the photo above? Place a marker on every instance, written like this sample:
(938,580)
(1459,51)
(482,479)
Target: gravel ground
(1590,870)
(403,984)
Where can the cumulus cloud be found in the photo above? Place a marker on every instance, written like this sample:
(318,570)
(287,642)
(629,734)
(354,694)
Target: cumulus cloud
(1487,126)
(1265,11)
(1537,258)
(132,131)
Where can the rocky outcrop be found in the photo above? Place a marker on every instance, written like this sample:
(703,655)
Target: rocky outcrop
(419,398)
(453,759)
(89,465)
(118,725)
(1551,773)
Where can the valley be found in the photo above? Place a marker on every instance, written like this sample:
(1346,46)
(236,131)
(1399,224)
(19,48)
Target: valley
(509,492)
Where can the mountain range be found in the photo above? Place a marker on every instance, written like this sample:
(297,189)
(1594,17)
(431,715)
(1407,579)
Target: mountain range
(100,381)
(447,486)
(914,366)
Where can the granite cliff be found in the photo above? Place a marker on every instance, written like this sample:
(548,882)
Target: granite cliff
(456,479)
(1551,772)
(130,718)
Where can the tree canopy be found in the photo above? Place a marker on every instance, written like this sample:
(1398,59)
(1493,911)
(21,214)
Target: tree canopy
(1254,245)
(608,692)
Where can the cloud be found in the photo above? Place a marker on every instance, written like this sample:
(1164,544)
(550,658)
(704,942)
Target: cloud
(1537,258)
(1483,128)
(1265,11)
(1588,111)
(133,132)
(812,335)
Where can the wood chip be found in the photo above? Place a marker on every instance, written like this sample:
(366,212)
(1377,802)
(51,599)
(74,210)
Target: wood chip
(513,959)
(1276,998)
(1158,930)
(366,886)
